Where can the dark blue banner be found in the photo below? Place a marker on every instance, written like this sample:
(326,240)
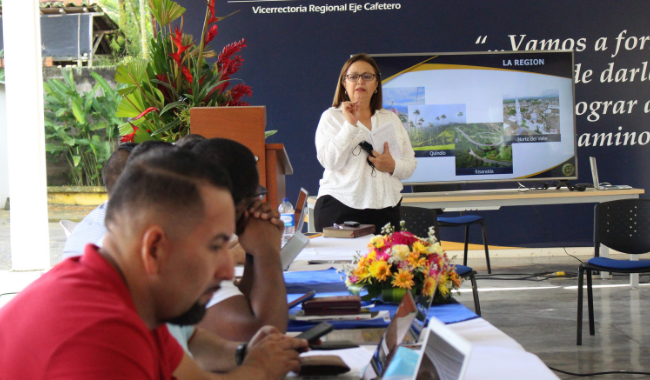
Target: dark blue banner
(296,50)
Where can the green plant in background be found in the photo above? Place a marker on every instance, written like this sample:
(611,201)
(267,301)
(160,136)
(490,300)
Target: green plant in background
(129,45)
(82,126)
(161,90)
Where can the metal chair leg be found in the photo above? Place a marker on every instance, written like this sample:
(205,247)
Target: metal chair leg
(466,244)
(590,303)
(581,274)
(477,304)
(487,253)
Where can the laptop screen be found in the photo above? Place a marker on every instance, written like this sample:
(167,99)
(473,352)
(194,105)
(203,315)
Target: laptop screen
(395,333)
(301,209)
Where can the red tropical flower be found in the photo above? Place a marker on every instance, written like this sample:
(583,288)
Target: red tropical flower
(212,33)
(213,18)
(150,109)
(187,74)
(229,50)
(177,38)
(238,91)
(130,136)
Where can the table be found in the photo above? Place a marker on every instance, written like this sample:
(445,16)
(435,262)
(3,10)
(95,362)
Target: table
(495,355)
(494,199)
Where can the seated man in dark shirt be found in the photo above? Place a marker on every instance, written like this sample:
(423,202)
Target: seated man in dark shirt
(102,315)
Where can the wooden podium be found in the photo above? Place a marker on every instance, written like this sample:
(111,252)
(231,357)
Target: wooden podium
(246,125)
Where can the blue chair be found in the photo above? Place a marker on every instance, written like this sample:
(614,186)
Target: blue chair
(418,220)
(466,221)
(623,225)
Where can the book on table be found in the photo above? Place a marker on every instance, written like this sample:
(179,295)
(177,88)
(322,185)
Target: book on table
(342,231)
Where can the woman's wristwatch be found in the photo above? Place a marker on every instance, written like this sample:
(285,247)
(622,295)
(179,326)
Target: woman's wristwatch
(240,353)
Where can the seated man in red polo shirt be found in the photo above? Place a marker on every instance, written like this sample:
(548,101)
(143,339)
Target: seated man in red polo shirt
(102,315)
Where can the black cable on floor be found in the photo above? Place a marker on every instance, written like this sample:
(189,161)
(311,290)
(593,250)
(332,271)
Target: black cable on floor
(599,373)
(6,294)
(551,235)
(535,277)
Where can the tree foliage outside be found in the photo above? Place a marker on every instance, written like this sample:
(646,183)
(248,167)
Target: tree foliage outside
(126,14)
(81,126)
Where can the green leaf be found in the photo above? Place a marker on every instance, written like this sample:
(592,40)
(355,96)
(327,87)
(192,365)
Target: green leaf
(172,106)
(126,128)
(269,133)
(165,11)
(103,83)
(130,106)
(132,73)
(167,127)
(98,125)
(126,90)
(77,110)
(76,160)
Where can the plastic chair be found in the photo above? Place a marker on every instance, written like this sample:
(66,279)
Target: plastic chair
(418,220)
(623,225)
(68,226)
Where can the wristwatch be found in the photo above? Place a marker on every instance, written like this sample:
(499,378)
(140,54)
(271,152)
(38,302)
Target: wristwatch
(240,353)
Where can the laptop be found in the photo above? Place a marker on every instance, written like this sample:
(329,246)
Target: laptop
(298,241)
(604,185)
(387,346)
(374,335)
(444,355)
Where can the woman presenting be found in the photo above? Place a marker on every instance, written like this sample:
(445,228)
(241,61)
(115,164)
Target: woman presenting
(352,189)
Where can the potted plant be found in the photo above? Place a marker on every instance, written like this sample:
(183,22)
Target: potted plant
(160,91)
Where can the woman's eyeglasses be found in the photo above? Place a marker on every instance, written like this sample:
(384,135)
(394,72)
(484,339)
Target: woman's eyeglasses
(367,77)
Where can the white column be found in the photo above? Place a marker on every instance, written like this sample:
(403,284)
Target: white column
(30,249)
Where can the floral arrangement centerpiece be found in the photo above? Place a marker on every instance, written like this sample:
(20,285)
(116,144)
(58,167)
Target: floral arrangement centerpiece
(398,262)
(161,90)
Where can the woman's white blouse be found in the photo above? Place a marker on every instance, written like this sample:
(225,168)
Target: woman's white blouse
(347,176)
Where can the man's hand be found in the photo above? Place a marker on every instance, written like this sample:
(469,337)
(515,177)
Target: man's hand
(263,229)
(383,162)
(274,353)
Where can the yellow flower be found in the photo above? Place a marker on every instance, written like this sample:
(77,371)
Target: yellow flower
(403,279)
(435,248)
(362,273)
(380,270)
(442,284)
(401,252)
(429,286)
(372,256)
(376,241)
(419,247)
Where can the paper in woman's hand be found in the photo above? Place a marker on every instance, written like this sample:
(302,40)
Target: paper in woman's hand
(386,133)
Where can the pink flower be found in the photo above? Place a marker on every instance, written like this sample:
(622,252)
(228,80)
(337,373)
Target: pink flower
(405,238)
(383,255)
(354,279)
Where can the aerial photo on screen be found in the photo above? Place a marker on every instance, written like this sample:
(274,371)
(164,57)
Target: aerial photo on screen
(398,99)
(533,115)
(432,127)
(481,148)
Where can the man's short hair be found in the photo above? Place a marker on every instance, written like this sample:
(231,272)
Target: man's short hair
(146,146)
(166,181)
(238,161)
(115,164)
(189,141)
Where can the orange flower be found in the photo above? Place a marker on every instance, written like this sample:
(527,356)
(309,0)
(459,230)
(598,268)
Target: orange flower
(415,261)
(429,286)
(380,270)
(403,279)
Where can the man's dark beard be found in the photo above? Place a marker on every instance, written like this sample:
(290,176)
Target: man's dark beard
(191,317)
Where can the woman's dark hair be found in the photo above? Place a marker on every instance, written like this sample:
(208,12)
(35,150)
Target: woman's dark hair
(340,96)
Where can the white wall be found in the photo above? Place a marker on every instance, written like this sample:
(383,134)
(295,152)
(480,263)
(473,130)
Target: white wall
(4,165)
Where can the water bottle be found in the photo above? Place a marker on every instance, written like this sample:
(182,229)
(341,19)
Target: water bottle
(287,215)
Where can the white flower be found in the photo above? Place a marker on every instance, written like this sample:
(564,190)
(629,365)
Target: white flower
(435,248)
(400,252)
